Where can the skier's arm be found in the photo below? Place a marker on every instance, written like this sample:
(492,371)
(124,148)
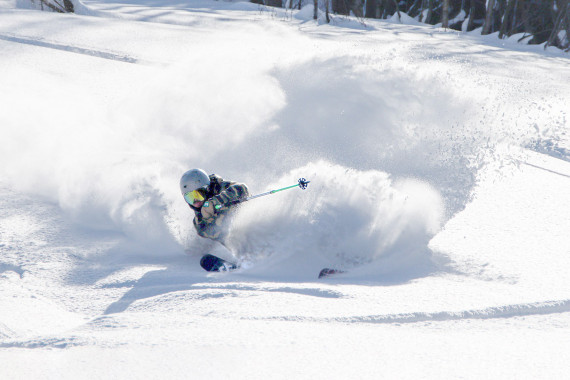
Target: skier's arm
(219,204)
(232,191)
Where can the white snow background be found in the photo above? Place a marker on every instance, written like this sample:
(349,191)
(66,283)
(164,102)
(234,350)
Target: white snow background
(439,164)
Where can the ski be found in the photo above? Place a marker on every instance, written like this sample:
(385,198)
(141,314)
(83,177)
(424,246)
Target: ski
(325,272)
(213,263)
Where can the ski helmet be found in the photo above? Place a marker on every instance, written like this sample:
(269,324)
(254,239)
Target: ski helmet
(193,180)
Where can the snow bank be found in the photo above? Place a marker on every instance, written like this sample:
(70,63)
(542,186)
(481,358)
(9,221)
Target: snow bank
(25,313)
(404,18)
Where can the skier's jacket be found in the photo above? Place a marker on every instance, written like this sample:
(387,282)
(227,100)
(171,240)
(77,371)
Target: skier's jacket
(222,193)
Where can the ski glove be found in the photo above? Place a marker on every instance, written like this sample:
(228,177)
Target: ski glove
(209,209)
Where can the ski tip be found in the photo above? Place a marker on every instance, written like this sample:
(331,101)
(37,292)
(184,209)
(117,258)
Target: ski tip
(325,272)
(213,263)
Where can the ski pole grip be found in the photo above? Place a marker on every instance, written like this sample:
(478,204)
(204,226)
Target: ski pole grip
(207,204)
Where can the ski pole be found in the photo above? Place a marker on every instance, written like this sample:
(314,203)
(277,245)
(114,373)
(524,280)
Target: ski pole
(302,183)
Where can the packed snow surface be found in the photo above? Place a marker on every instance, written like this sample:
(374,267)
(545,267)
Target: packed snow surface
(439,164)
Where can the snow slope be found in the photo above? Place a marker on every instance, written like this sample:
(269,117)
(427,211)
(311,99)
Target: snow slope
(439,166)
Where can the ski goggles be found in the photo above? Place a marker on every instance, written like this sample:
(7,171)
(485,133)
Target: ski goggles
(194,196)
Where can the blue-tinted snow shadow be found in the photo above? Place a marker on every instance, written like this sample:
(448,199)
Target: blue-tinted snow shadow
(151,284)
(181,272)
(13,268)
(399,265)
(181,278)
(176,271)
(296,274)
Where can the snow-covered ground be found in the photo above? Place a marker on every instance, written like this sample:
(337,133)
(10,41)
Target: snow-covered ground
(440,173)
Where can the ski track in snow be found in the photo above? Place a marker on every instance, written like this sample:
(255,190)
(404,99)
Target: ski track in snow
(75,49)
(507,311)
(501,312)
(546,169)
(61,343)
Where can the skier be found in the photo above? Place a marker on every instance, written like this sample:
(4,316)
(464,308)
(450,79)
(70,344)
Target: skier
(213,201)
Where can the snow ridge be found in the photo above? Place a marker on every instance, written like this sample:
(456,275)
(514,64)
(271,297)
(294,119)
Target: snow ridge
(45,342)
(74,49)
(507,311)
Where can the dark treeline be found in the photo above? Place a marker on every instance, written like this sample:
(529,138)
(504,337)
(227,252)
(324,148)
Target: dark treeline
(539,20)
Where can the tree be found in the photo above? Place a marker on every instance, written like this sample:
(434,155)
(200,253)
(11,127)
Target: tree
(357,6)
(561,26)
(471,16)
(316,9)
(371,9)
(487,27)
(445,14)
(429,13)
(57,6)
(507,24)
(272,3)
(341,7)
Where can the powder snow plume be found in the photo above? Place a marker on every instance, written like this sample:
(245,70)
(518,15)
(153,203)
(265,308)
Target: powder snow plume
(345,218)
(112,158)
(391,168)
